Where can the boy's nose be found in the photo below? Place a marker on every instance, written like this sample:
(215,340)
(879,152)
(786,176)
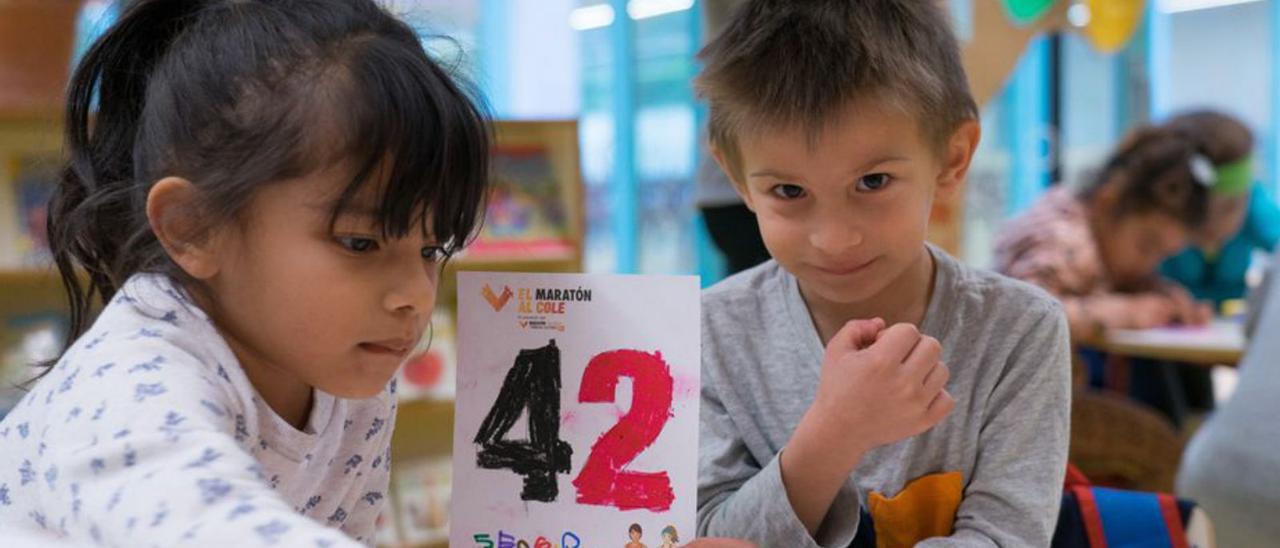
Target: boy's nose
(834,238)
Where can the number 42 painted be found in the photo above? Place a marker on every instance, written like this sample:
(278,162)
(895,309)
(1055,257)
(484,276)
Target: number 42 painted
(533,383)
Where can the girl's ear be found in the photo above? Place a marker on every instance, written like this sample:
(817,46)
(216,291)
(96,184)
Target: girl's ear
(173,213)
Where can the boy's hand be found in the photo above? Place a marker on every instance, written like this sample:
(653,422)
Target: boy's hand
(879,386)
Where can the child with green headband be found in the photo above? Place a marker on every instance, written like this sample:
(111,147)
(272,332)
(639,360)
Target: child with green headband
(1242,217)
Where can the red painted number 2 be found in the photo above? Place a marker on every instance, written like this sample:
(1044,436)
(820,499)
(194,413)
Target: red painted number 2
(602,480)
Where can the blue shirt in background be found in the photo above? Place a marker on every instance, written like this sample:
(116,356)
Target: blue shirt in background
(1222,278)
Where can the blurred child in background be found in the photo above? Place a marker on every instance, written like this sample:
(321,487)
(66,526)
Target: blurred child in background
(1242,219)
(1098,249)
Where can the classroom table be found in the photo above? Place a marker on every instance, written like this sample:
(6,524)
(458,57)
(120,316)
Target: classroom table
(1221,342)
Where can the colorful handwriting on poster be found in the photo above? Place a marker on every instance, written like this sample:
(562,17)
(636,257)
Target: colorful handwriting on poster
(533,383)
(507,540)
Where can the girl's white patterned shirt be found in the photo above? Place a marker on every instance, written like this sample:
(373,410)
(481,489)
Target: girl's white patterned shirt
(148,433)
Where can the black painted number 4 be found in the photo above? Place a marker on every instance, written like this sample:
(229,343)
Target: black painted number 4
(533,383)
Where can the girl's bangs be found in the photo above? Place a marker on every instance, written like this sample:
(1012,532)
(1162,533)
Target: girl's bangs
(419,136)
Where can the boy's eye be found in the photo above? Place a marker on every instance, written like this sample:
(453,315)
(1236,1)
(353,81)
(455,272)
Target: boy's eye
(433,253)
(787,191)
(357,244)
(873,182)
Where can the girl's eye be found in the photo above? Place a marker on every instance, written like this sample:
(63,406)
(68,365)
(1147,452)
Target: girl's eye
(357,244)
(873,182)
(433,253)
(787,191)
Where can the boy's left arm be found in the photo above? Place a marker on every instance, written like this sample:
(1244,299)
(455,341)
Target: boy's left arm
(1013,496)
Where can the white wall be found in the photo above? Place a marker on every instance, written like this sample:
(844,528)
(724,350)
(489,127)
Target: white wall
(544,71)
(1090,109)
(1222,58)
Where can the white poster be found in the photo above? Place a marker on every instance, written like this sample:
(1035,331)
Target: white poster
(577,411)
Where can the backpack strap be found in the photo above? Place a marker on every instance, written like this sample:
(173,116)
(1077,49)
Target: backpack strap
(1075,477)
(1089,514)
(1173,520)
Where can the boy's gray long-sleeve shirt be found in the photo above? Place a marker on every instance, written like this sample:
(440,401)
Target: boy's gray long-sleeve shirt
(1008,348)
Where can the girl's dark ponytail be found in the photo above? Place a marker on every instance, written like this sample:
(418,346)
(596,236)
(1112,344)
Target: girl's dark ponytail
(90,209)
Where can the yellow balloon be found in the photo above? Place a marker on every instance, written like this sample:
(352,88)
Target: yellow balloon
(1112,22)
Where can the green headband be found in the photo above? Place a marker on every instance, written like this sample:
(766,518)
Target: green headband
(1234,178)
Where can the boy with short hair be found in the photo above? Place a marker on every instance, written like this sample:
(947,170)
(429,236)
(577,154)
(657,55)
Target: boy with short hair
(826,401)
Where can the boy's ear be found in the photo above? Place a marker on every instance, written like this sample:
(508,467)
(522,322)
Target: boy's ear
(173,213)
(738,186)
(959,154)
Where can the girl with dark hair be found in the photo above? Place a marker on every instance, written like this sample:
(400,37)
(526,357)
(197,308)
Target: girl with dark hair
(261,194)
(1098,249)
(1243,219)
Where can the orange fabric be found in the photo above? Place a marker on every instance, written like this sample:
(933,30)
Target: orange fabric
(925,508)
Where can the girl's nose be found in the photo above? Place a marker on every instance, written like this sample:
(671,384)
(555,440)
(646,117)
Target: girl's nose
(413,290)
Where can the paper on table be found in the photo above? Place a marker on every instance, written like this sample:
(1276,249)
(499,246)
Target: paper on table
(1220,335)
